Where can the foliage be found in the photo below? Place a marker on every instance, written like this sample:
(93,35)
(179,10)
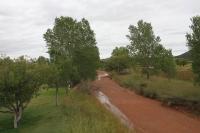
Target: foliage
(87,61)
(120,60)
(193,41)
(53,75)
(72,46)
(163,60)
(146,49)
(73,52)
(42,60)
(19,82)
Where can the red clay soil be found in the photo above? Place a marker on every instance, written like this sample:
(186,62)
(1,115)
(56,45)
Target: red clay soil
(147,115)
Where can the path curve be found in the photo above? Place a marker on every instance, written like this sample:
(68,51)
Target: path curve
(147,115)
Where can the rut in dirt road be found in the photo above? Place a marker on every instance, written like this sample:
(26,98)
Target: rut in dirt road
(147,115)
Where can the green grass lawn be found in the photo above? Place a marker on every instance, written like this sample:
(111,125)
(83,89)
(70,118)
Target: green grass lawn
(159,86)
(77,113)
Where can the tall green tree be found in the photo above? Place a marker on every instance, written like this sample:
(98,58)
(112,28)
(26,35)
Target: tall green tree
(143,44)
(193,41)
(19,82)
(72,47)
(146,49)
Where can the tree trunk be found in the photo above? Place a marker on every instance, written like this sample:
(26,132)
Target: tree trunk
(56,96)
(15,120)
(17,117)
(20,114)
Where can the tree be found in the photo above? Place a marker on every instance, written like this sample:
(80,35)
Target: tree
(146,49)
(74,42)
(73,52)
(119,60)
(163,60)
(52,75)
(18,84)
(168,64)
(143,43)
(87,60)
(55,79)
(42,60)
(193,41)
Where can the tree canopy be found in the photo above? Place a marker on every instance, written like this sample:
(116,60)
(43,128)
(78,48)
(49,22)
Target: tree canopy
(146,49)
(120,60)
(193,41)
(19,82)
(72,46)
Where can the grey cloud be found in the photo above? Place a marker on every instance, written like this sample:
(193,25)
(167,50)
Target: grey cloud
(23,22)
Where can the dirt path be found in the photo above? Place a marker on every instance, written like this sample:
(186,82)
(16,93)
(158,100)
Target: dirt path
(147,116)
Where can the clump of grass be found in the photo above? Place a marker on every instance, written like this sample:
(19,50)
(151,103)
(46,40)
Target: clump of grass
(77,113)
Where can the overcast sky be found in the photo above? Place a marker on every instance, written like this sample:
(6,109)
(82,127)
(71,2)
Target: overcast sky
(23,22)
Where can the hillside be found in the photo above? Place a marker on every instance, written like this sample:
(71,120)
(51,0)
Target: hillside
(186,55)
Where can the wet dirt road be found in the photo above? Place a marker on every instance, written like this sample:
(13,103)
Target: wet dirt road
(146,115)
